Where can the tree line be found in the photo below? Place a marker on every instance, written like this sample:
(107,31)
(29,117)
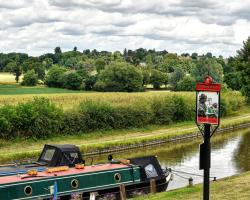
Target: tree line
(130,70)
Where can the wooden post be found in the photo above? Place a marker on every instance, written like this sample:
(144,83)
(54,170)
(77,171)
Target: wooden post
(123,192)
(152,186)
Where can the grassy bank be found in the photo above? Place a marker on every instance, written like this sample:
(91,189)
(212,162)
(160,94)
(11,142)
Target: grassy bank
(30,148)
(231,188)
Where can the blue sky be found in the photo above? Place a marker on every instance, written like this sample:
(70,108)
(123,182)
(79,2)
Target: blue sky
(38,26)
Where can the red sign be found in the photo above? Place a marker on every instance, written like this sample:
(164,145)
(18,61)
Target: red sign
(207,102)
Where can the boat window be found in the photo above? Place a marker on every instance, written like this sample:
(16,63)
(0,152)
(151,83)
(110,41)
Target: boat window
(150,171)
(48,154)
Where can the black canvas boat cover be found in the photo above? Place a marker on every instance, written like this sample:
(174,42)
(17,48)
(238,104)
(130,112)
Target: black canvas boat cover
(60,155)
(150,165)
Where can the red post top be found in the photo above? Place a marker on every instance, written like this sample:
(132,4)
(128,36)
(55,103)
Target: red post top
(208,85)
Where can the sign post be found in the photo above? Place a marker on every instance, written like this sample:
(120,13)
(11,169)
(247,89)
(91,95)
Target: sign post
(207,120)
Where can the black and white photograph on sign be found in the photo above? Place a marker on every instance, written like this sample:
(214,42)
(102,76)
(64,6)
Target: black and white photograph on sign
(207,107)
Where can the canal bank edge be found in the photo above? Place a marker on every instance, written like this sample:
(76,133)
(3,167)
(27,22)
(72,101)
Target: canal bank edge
(154,138)
(229,188)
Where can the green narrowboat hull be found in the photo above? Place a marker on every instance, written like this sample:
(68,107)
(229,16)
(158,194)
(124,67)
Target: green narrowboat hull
(42,187)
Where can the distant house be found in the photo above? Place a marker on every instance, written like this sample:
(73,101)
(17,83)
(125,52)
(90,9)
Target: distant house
(143,64)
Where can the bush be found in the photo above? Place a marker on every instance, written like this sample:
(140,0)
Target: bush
(163,109)
(158,78)
(137,115)
(96,115)
(188,83)
(54,77)
(40,118)
(120,77)
(72,80)
(30,78)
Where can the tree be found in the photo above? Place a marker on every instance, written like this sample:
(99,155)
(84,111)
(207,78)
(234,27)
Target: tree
(175,77)
(188,83)
(170,63)
(209,55)
(30,78)
(58,55)
(194,56)
(72,80)
(47,63)
(15,69)
(120,76)
(75,49)
(208,66)
(100,64)
(40,71)
(158,78)
(54,76)
(243,65)
(58,50)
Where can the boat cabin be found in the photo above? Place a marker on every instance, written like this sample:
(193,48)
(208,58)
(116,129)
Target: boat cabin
(60,155)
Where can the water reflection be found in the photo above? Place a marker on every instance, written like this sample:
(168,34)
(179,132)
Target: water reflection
(242,154)
(230,153)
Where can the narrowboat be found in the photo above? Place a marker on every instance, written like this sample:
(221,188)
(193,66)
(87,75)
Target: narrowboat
(61,172)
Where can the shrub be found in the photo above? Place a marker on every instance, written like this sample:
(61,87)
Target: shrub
(188,83)
(54,77)
(8,121)
(136,115)
(96,115)
(72,80)
(120,77)
(38,118)
(158,78)
(163,109)
(30,78)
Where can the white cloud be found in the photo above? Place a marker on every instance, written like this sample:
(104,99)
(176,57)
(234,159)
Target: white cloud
(38,26)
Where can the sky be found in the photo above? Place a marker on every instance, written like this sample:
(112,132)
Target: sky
(178,26)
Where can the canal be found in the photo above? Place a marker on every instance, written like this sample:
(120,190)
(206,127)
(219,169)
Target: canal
(230,155)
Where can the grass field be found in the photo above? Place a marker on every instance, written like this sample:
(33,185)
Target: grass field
(17,90)
(231,188)
(12,94)
(7,78)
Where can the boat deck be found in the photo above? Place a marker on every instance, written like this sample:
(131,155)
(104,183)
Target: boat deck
(71,171)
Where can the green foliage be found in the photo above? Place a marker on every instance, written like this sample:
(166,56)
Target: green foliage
(37,118)
(188,83)
(120,77)
(30,78)
(72,80)
(158,78)
(163,110)
(208,66)
(100,64)
(15,69)
(175,77)
(243,66)
(41,118)
(54,77)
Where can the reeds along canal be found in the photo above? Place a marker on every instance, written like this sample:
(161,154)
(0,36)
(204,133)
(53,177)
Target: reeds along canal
(230,155)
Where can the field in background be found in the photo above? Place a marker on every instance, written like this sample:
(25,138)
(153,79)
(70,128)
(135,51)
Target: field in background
(68,99)
(13,94)
(7,78)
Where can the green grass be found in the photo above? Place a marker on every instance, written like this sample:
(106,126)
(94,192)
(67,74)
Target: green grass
(231,188)
(20,90)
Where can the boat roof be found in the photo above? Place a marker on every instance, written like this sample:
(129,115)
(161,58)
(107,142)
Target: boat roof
(71,171)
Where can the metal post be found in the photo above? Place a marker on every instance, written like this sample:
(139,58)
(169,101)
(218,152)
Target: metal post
(207,149)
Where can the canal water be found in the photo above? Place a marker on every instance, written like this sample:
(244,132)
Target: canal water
(230,155)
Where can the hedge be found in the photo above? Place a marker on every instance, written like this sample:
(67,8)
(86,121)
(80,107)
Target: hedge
(41,118)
